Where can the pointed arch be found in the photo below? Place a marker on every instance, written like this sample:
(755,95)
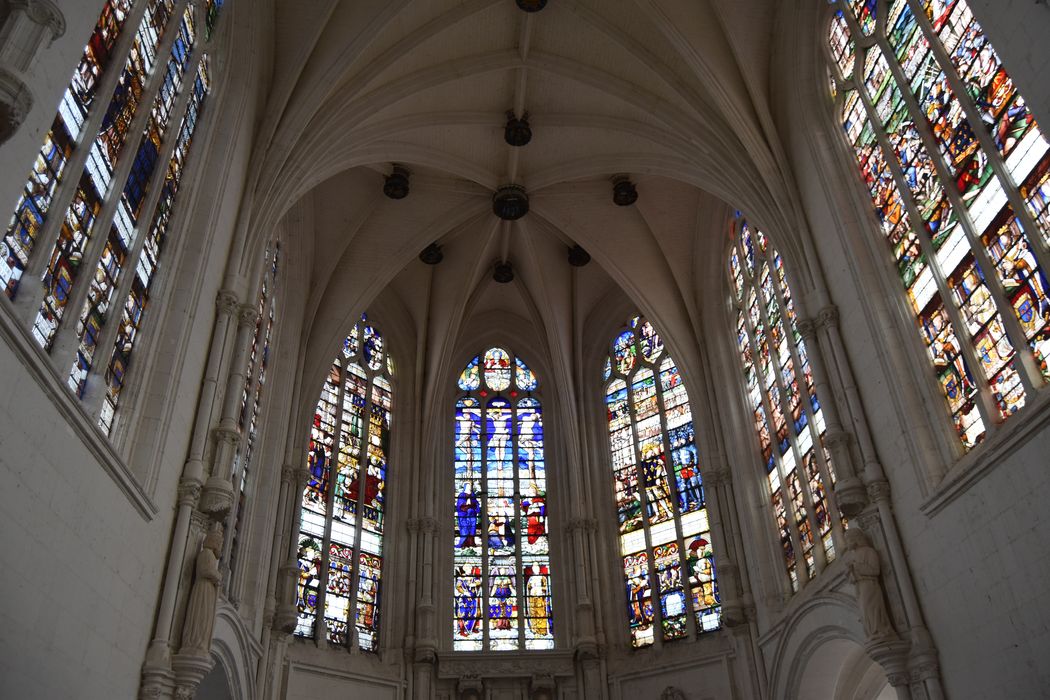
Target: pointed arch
(341,526)
(668,562)
(501,549)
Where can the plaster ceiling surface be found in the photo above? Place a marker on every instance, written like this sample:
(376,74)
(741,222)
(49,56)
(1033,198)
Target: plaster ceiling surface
(658,90)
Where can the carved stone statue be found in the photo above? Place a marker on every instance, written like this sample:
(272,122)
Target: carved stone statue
(200,611)
(862,562)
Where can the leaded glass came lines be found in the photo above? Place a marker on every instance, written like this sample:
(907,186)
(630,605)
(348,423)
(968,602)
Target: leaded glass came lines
(501,552)
(343,507)
(957,171)
(665,538)
(786,412)
(104,137)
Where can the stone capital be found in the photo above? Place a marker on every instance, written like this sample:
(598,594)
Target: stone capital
(247,315)
(288,474)
(226,302)
(189,492)
(828,317)
(807,328)
(42,12)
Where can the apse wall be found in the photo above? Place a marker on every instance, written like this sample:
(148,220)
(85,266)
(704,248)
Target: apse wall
(975,537)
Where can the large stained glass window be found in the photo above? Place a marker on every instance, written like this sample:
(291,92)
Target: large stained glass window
(252,397)
(787,415)
(501,555)
(665,538)
(959,176)
(132,105)
(342,517)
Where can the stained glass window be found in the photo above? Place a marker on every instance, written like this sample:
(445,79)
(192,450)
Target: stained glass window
(787,415)
(957,170)
(77,225)
(341,523)
(252,395)
(665,535)
(501,555)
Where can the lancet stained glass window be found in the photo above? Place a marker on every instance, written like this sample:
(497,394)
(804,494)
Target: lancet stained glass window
(252,395)
(665,535)
(501,554)
(788,419)
(77,224)
(959,176)
(341,523)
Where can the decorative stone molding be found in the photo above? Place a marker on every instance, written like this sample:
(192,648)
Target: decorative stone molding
(289,475)
(557,665)
(716,477)
(189,492)
(190,670)
(672,693)
(226,302)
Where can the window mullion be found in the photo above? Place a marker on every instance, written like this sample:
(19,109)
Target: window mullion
(519,574)
(796,538)
(806,402)
(1028,370)
(486,438)
(321,625)
(672,481)
(362,484)
(985,404)
(66,337)
(654,592)
(1037,243)
(819,556)
(27,304)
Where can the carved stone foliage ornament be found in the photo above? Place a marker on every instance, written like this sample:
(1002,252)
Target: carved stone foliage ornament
(862,563)
(672,693)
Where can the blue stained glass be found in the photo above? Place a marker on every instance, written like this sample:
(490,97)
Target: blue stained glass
(653,447)
(524,378)
(501,585)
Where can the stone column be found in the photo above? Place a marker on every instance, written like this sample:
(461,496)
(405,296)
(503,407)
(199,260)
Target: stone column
(217,496)
(288,574)
(27,25)
(849,489)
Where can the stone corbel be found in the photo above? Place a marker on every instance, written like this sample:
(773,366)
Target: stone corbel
(828,317)
(15,102)
(734,612)
(287,615)
(217,498)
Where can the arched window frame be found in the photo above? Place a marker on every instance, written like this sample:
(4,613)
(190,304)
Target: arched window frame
(800,491)
(364,359)
(700,599)
(523,386)
(100,135)
(1022,194)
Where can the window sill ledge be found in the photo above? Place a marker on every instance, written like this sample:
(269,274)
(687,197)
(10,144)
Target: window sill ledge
(39,367)
(983,460)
